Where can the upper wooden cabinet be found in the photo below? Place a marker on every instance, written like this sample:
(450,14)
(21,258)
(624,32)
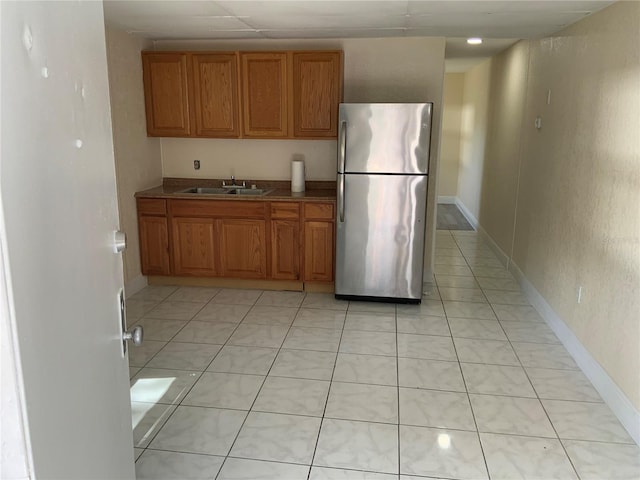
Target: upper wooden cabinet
(289,94)
(264,94)
(317,92)
(166,94)
(215,87)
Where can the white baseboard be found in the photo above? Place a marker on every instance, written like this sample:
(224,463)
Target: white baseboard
(447,199)
(503,257)
(134,285)
(615,398)
(467,214)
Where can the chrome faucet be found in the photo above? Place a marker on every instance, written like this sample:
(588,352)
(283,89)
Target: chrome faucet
(234,184)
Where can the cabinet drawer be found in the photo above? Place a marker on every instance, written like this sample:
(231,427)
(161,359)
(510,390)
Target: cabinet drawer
(320,211)
(152,206)
(217,208)
(285,210)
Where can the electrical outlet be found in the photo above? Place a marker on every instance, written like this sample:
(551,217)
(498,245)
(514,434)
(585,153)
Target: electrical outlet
(196,164)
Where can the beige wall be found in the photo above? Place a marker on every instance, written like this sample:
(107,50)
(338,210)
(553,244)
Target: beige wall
(452,99)
(507,94)
(473,135)
(577,220)
(375,70)
(137,157)
(578,215)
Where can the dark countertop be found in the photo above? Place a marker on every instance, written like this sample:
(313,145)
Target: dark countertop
(281,190)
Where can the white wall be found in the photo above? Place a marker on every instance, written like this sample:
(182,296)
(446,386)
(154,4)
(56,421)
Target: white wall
(138,161)
(567,195)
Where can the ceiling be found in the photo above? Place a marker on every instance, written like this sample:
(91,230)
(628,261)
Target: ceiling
(500,23)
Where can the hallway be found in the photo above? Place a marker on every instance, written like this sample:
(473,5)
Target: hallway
(245,384)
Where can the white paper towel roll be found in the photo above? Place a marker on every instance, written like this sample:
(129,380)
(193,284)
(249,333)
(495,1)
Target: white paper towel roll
(297,176)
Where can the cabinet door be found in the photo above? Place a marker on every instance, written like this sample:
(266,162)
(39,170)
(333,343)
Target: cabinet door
(166,94)
(154,245)
(264,94)
(318,251)
(243,248)
(317,91)
(215,82)
(285,250)
(194,246)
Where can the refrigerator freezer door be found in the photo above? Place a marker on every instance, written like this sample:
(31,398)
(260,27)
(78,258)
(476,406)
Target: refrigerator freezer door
(380,237)
(384,138)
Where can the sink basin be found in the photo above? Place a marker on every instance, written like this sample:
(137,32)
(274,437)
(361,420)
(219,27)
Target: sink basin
(205,190)
(250,191)
(225,191)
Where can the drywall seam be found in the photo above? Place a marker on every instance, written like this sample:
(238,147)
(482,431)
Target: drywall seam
(467,214)
(134,285)
(447,199)
(612,395)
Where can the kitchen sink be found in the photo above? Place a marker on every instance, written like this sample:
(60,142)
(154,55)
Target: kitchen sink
(204,190)
(225,191)
(250,191)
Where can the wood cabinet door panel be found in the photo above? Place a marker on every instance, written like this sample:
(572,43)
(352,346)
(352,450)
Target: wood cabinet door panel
(243,248)
(318,251)
(154,245)
(194,246)
(264,94)
(166,94)
(316,93)
(215,82)
(285,250)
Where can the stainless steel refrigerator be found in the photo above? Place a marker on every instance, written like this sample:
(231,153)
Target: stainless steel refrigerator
(383,167)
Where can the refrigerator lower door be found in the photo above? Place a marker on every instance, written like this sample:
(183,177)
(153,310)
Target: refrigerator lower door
(380,237)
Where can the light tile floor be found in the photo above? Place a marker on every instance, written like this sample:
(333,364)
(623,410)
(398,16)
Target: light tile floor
(245,384)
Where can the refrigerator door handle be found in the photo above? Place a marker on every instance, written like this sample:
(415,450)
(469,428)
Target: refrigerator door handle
(341,197)
(342,149)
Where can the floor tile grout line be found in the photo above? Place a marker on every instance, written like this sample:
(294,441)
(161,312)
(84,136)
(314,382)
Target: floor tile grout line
(182,328)
(473,415)
(201,373)
(335,363)
(262,385)
(533,388)
(194,383)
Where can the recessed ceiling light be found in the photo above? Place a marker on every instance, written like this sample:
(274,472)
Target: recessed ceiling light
(474,41)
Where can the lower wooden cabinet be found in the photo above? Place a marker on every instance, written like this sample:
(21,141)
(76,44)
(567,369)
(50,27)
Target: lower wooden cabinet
(243,248)
(194,246)
(318,251)
(154,245)
(245,240)
(285,250)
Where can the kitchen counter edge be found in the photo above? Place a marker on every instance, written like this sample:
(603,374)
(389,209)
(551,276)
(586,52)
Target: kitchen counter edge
(171,192)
